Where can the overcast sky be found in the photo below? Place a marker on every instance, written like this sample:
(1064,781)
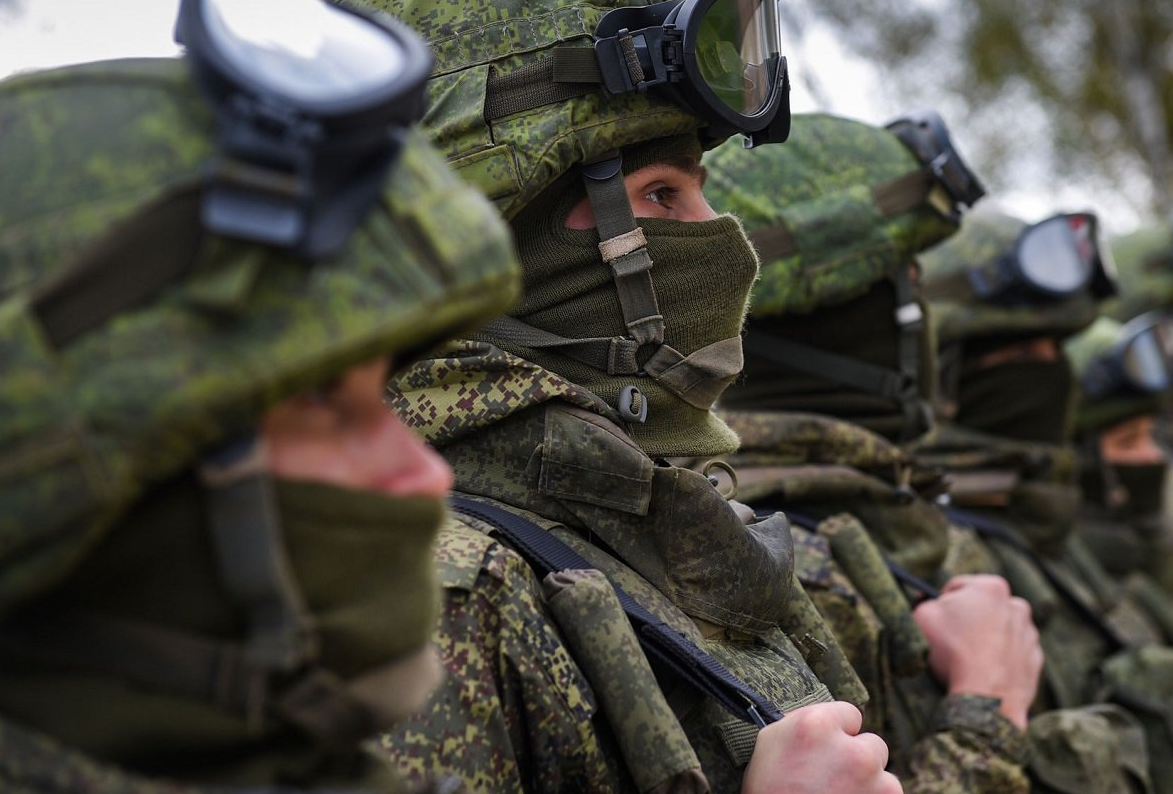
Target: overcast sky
(40,33)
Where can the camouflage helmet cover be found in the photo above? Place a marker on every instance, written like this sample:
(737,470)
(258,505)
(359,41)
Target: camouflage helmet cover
(841,206)
(986,236)
(480,46)
(1144,262)
(1099,340)
(88,425)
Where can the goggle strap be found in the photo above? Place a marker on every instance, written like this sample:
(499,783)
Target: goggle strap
(631,272)
(613,355)
(108,279)
(892,198)
(904,193)
(538,84)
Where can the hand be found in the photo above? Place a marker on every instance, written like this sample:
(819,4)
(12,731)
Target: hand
(982,641)
(818,750)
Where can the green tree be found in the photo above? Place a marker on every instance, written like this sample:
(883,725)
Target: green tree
(1087,84)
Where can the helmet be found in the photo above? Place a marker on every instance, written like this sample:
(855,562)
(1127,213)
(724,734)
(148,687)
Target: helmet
(516,100)
(976,282)
(1124,370)
(1145,261)
(134,341)
(842,206)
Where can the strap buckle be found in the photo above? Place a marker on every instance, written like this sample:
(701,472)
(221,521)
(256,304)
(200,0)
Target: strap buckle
(633,405)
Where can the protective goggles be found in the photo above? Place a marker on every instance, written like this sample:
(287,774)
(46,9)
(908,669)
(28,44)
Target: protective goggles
(1055,258)
(927,137)
(1141,360)
(312,100)
(719,58)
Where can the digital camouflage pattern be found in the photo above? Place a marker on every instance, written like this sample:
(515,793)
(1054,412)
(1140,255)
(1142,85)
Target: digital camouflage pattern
(818,467)
(1144,263)
(508,665)
(841,206)
(675,539)
(986,236)
(87,428)
(1088,622)
(514,158)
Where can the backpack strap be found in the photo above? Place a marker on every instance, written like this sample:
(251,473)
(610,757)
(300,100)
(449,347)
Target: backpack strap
(546,554)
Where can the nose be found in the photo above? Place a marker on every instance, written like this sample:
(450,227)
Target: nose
(409,466)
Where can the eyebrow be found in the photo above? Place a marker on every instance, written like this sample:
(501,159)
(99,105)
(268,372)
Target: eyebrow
(691,167)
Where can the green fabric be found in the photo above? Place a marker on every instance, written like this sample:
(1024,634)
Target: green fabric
(820,190)
(702,274)
(516,158)
(1026,401)
(768,386)
(87,429)
(364,565)
(1098,749)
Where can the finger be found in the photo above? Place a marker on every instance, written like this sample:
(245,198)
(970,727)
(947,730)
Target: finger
(873,751)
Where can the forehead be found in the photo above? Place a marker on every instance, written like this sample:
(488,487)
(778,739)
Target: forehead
(683,167)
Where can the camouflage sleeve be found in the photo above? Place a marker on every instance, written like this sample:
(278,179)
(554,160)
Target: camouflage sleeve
(973,750)
(514,713)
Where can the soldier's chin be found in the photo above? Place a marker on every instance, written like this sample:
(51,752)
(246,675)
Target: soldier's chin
(395,690)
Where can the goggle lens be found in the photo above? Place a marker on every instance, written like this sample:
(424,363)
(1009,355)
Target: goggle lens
(1058,255)
(1149,356)
(315,53)
(737,47)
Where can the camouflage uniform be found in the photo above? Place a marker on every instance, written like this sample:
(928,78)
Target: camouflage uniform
(542,435)
(829,197)
(137,545)
(1101,646)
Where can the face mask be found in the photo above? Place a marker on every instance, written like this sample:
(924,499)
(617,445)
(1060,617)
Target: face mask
(364,564)
(1144,486)
(770,386)
(702,274)
(1025,401)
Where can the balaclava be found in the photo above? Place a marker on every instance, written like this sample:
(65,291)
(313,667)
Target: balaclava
(836,329)
(1022,400)
(702,273)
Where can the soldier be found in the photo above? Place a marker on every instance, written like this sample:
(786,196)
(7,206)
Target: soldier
(1124,376)
(558,420)
(216,560)
(838,370)
(1004,295)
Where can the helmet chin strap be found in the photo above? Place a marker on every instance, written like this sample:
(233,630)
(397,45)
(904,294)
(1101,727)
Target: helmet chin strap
(697,378)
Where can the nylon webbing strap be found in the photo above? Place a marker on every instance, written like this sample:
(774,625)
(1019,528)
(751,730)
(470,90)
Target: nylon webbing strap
(988,528)
(546,554)
(538,84)
(252,559)
(124,269)
(614,355)
(632,271)
(843,370)
(910,322)
(188,665)
(904,193)
(902,574)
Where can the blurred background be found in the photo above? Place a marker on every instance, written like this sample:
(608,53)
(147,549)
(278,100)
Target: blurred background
(1059,105)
